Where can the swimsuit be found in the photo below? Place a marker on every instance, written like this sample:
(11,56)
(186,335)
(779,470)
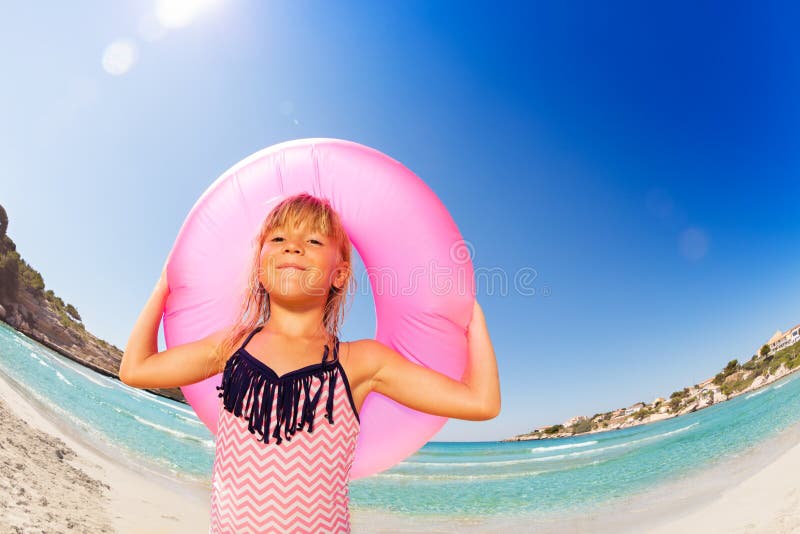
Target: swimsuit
(279,465)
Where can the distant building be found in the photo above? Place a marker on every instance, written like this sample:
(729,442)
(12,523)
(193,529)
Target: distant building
(635,408)
(781,340)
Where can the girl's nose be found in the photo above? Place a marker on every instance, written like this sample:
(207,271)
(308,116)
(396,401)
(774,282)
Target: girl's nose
(291,246)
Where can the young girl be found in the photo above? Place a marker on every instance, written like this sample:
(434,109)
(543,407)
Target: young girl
(281,464)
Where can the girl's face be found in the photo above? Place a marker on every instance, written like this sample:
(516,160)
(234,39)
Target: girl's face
(299,263)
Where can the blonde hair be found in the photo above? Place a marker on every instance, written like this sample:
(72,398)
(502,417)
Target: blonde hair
(298,211)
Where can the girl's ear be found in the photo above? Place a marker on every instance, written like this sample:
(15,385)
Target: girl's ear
(341,274)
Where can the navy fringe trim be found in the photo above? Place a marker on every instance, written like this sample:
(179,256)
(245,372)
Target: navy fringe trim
(247,390)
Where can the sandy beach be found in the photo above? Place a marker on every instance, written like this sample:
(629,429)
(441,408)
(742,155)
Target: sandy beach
(756,492)
(54,482)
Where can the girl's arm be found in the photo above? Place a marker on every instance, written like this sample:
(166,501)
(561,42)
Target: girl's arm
(476,397)
(143,340)
(143,366)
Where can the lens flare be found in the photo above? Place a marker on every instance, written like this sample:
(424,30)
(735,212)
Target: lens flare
(693,243)
(119,57)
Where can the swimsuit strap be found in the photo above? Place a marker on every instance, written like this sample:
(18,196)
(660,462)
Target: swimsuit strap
(247,340)
(335,350)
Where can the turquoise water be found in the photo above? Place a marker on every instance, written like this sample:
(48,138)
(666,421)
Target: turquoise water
(463,479)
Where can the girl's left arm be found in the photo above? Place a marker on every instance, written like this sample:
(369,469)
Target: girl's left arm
(476,397)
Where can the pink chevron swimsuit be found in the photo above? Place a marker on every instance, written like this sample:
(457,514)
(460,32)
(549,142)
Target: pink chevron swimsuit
(296,482)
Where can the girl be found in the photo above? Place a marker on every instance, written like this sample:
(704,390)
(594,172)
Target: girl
(281,465)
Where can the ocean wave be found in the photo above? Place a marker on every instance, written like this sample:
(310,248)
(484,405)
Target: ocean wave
(567,446)
(154,398)
(492,476)
(170,431)
(73,368)
(64,379)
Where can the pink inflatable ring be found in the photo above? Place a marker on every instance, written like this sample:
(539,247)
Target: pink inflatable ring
(397,225)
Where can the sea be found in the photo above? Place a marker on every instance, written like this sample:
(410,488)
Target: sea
(542,478)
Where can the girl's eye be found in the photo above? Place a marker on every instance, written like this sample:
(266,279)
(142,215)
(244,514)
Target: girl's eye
(312,240)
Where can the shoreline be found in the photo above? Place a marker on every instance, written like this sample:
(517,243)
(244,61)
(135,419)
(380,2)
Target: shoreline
(35,336)
(754,492)
(99,493)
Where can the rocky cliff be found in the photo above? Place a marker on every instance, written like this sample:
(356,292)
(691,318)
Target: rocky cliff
(38,319)
(26,306)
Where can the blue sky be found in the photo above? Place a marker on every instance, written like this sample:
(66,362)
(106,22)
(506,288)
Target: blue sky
(641,159)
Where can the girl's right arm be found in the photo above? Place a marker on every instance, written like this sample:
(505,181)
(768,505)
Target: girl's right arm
(144,367)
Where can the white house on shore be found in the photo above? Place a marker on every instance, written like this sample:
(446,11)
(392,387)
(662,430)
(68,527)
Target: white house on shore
(634,408)
(781,340)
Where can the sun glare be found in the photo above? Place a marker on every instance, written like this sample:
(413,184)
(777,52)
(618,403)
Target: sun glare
(179,13)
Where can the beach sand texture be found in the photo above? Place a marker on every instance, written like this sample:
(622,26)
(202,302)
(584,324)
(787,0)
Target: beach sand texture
(41,488)
(52,482)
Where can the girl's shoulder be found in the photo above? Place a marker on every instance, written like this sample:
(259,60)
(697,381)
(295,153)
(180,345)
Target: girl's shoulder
(355,359)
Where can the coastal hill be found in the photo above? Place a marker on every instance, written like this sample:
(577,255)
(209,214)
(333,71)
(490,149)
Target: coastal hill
(40,314)
(777,358)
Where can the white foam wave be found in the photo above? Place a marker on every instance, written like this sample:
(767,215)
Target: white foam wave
(552,448)
(610,447)
(75,368)
(493,476)
(37,357)
(567,446)
(175,406)
(154,398)
(189,420)
(63,378)
(171,431)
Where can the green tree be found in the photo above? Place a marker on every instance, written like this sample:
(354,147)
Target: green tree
(31,277)
(3,221)
(9,275)
(72,312)
(764,350)
(581,426)
(553,429)
(6,245)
